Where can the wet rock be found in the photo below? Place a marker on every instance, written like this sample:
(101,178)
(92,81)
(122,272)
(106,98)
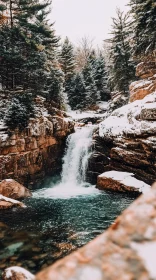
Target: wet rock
(7,203)
(13,189)
(126,251)
(17,273)
(121,181)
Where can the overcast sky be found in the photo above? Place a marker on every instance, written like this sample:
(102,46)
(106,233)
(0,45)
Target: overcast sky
(79,18)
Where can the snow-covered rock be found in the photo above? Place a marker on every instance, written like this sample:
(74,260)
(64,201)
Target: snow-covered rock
(7,203)
(121,181)
(126,141)
(130,120)
(17,273)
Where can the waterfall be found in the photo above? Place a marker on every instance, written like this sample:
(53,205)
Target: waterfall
(76,156)
(75,163)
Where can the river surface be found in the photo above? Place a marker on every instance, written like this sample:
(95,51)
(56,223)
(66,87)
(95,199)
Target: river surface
(62,216)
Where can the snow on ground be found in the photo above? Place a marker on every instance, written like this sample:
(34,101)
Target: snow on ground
(127,179)
(126,120)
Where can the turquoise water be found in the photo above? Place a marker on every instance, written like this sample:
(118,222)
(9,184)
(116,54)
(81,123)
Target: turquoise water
(52,227)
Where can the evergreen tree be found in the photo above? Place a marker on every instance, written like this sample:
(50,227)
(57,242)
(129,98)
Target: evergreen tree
(92,94)
(19,111)
(122,68)
(77,92)
(67,62)
(27,42)
(144,15)
(100,74)
(55,88)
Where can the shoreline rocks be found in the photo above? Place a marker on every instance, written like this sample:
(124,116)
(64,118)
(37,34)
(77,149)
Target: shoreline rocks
(121,182)
(17,273)
(12,189)
(8,203)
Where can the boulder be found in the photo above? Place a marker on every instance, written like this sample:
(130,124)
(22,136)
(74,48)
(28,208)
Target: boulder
(7,203)
(17,273)
(121,182)
(13,189)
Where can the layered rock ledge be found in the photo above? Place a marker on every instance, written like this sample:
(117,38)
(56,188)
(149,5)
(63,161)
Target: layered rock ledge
(31,154)
(126,141)
(127,250)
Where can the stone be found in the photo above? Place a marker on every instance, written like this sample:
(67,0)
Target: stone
(121,182)
(7,203)
(13,189)
(17,273)
(126,141)
(37,150)
(126,251)
(146,71)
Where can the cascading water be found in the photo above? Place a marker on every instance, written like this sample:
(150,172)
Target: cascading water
(75,163)
(76,157)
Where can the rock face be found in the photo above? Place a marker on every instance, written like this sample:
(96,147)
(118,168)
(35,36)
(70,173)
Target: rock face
(121,182)
(127,141)
(125,251)
(7,203)
(147,72)
(13,189)
(17,273)
(29,155)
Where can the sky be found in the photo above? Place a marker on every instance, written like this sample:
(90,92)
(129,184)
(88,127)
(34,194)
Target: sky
(79,18)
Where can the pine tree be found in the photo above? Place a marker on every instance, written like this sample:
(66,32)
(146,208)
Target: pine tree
(100,74)
(67,62)
(77,92)
(144,16)
(92,94)
(122,68)
(27,42)
(54,86)
(19,111)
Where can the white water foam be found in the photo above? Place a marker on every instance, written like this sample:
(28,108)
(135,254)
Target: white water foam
(75,163)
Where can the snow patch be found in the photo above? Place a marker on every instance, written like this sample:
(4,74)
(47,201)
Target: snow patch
(127,179)
(147,251)
(126,120)
(9,272)
(13,201)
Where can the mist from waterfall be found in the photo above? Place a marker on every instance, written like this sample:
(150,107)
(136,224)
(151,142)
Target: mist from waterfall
(75,163)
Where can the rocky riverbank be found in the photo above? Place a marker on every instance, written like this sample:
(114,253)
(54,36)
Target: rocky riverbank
(126,140)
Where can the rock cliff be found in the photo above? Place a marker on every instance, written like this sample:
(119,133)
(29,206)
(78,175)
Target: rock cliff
(126,140)
(31,154)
